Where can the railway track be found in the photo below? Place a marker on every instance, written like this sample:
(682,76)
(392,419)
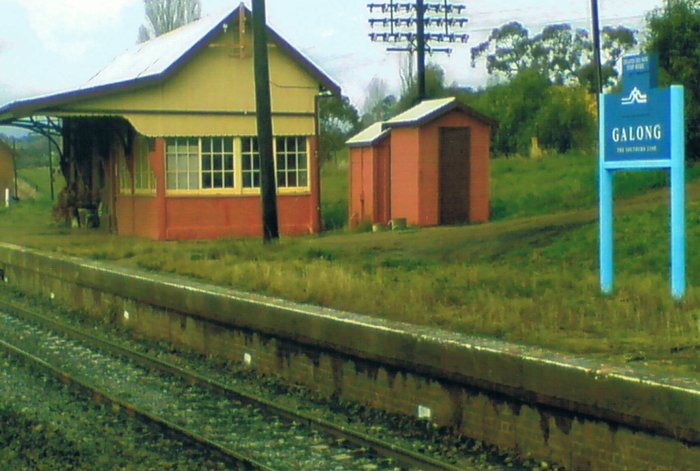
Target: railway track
(251,432)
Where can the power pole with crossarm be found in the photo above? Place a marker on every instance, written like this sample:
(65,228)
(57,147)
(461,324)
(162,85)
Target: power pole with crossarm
(414,26)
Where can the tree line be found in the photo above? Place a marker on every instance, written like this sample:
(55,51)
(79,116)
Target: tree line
(540,85)
(543,85)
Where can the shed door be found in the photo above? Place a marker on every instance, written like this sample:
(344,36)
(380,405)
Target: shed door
(454,175)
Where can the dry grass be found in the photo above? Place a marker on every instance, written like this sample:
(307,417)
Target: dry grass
(531,279)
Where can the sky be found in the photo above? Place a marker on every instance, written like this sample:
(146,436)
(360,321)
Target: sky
(53,45)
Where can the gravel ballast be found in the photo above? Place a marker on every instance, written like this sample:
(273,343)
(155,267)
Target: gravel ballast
(48,427)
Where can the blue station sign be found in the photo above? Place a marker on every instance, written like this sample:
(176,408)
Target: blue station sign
(642,128)
(638,120)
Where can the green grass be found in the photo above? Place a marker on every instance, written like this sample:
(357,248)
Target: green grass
(38,178)
(526,187)
(529,277)
(334,192)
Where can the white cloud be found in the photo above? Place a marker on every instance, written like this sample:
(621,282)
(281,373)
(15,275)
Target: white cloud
(6,44)
(328,33)
(66,26)
(8,93)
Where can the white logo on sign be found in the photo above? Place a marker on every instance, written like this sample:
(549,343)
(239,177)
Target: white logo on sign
(636,96)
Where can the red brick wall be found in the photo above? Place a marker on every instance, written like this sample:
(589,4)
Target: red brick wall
(405,174)
(137,215)
(429,176)
(369,184)
(361,190)
(207,217)
(212,217)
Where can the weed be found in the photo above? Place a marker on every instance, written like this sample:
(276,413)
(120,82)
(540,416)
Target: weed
(531,276)
(320,254)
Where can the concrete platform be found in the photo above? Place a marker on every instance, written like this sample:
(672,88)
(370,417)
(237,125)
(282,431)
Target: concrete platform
(561,408)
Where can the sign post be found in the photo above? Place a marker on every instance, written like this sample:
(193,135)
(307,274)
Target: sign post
(642,128)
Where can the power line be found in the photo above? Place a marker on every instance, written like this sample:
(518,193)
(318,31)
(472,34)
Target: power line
(422,19)
(400,23)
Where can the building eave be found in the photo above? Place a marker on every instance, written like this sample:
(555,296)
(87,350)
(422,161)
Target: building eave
(433,114)
(371,135)
(39,105)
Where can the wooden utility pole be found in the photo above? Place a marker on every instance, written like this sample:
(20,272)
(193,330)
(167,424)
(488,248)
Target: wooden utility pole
(14,166)
(48,139)
(420,48)
(268,191)
(596,46)
(399,20)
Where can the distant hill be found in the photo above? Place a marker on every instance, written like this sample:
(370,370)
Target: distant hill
(31,149)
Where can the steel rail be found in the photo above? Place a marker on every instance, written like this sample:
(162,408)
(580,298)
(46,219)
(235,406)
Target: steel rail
(403,456)
(99,396)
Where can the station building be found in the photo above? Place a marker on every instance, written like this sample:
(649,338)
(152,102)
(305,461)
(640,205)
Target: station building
(162,142)
(429,165)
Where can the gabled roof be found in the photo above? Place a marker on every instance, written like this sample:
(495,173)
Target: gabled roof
(154,61)
(368,136)
(153,58)
(428,110)
(422,113)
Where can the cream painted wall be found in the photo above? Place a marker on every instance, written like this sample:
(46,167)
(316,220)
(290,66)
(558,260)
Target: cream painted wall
(217,84)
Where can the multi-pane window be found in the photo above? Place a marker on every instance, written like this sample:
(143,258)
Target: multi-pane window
(182,163)
(217,162)
(292,162)
(227,163)
(250,162)
(144,178)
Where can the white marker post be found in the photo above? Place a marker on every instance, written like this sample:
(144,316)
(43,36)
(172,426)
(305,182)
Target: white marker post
(7,197)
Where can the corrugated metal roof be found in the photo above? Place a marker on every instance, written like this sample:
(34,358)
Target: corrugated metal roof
(153,60)
(156,56)
(430,109)
(420,112)
(368,136)
(150,59)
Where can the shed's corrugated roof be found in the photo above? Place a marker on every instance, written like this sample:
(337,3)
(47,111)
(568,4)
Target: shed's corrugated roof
(154,60)
(368,136)
(429,109)
(422,111)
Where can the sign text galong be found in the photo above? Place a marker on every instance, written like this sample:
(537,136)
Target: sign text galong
(642,128)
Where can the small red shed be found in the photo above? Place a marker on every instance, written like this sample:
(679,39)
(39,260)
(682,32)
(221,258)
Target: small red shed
(370,185)
(429,164)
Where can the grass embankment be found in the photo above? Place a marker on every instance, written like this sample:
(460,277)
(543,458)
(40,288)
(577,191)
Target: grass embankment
(531,276)
(334,194)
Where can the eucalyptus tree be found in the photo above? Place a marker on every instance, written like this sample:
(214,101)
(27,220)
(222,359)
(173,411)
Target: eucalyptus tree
(560,52)
(674,34)
(339,120)
(379,102)
(166,15)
